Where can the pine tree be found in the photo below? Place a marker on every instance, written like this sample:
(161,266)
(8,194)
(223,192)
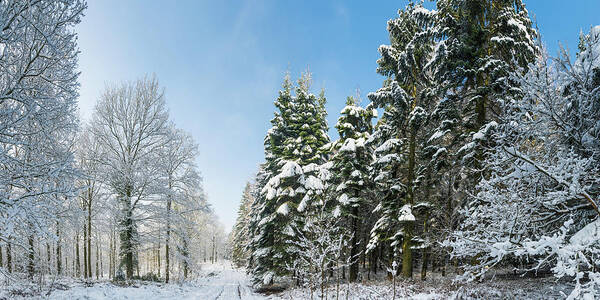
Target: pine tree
(240,233)
(262,246)
(481,43)
(293,153)
(407,98)
(350,173)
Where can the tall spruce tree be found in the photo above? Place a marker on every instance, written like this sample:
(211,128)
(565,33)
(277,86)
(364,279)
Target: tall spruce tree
(481,43)
(293,153)
(350,173)
(407,98)
(240,233)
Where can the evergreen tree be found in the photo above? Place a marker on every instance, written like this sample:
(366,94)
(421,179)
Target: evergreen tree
(407,98)
(539,205)
(350,173)
(481,43)
(240,233)
(293,154)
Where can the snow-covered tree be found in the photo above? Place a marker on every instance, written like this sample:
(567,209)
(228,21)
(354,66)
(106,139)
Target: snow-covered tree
(406,98)
(350,178)
(178,176)
(130,122)
(240,234)
(540,203)
(481,44)
(319,250)
(91,189)
(38,113)
(292,185)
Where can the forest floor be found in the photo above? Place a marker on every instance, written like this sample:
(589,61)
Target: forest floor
(222,281)
(218,281)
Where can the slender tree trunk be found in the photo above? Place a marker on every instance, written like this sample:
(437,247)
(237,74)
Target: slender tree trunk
(110,257)
(127,235)
(77,261)
(158,258)
(407,265)
(101,266)
(89,234)
(425,264)
(48,257)
(425,251)
(30,258)
(1,258)
(354,246)
(85,252)
(114,253)
(185,259)
(97,261)
(168,236)
(58,255)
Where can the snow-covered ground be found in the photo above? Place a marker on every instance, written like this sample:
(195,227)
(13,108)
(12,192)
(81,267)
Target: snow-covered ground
(222,281)
(219,281)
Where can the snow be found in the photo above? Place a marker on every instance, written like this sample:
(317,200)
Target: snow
(388,145)
(424,11)
(217,281)
(483,132)
(587,235)
(337,211)
(360,143)
(520,26)
(437,134)
(310,168)
(313,183)
(478,136)
(344,199)
(388,158)
(290,169)
(406,214)
(283,209)
(223,281)
(349,146)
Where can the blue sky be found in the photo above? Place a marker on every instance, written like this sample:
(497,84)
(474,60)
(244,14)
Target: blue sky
(222,63)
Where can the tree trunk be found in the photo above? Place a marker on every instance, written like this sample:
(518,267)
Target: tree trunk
(58,254)
(101,266)
(85,252)
(168,237)
(185,259)
(127,234)
(137,265)
(213,259)
(354,246)
(9,257)
(30,258)
(97,261)
(48,255)
(110,257)
(158,258)
(77,262)
(89,235)
(114,253)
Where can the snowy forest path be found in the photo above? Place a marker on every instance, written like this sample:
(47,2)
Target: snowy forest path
(222,282)
(218,281)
